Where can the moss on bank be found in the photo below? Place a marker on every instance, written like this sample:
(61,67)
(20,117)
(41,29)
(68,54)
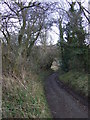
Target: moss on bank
(76,80)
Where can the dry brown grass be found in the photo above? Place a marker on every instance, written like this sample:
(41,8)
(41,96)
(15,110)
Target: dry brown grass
(24,98)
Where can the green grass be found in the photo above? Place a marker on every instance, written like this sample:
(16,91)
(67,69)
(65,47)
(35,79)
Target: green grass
(78,81)
(25,98)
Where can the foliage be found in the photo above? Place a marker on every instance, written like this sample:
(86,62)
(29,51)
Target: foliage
(42,57)
(24,98)
(77,81)
(74,52)
(21,26)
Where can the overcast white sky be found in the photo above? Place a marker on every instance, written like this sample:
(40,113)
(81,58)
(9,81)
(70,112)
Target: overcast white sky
(54,34)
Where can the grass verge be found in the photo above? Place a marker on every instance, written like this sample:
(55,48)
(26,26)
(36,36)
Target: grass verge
(24,98)
(77,81)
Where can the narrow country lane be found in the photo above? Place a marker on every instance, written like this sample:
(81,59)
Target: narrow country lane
(61,103)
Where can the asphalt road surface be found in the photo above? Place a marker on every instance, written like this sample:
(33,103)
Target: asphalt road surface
(61,103)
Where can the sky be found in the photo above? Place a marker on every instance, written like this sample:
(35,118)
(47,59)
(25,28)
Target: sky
(55,31)
(54,34)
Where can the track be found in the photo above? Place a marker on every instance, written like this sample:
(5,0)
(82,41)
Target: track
(61,103)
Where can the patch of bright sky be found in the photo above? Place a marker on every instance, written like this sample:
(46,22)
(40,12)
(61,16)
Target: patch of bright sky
(53,35)
(55,31)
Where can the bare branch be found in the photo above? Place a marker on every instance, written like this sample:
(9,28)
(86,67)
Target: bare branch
(82,8)
(10,8)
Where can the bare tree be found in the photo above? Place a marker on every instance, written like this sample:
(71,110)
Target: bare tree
(21,25)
